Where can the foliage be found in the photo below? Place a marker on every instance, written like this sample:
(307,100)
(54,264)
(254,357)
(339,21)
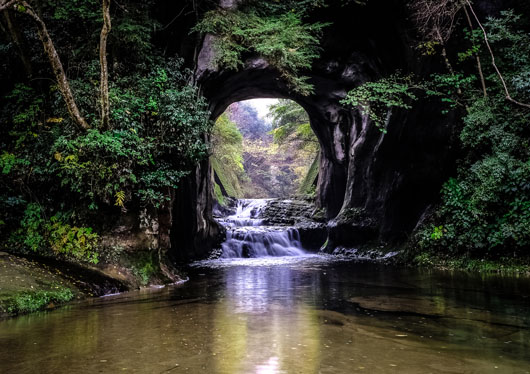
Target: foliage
(291,128)
(376,99)
(218,194)
(145,266)
(159,139)
(247,119)
(270,30)
(512,47)
(503,265)
(27,302)
(79,242)
(37,233)
(290,120)
(230,182)
(485,208)
(57,179)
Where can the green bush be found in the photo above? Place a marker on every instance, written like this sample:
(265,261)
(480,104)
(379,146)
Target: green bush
(38,234)
(158,137)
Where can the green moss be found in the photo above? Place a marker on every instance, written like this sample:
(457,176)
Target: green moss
(32,301)
(230,187)
(307,186)
(218,194)
(227,157)
(145,266)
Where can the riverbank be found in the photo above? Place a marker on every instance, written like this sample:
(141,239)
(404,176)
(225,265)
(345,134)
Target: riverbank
(32,284)
(507,266)
(404,257)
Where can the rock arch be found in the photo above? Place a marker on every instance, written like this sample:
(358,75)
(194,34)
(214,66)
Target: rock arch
(374,187)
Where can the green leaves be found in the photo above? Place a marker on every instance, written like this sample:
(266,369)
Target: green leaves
(158,137)
(283,39)
(485,209)
(37,233)
(290,123)
(120,198)
(438,233)
(31,301)
(376,99)
(78,242)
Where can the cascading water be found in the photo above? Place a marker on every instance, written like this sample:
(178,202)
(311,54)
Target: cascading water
(248,236)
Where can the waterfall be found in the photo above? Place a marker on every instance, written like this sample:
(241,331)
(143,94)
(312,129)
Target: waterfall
(247,235)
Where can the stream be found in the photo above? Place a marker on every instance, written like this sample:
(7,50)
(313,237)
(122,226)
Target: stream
(284,310)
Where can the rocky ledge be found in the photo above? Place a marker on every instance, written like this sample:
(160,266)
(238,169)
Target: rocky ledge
(301,214)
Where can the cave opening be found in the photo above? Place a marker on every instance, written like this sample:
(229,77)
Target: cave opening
(264,148)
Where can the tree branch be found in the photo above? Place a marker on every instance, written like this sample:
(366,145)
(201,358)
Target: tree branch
(57,66)
(493,62)
(477,57)
(7,4)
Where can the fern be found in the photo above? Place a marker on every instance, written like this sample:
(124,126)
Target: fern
(120,199)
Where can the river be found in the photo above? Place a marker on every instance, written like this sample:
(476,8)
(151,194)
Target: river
(289,314)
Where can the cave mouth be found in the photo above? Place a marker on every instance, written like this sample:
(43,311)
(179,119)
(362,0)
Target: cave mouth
(264,148)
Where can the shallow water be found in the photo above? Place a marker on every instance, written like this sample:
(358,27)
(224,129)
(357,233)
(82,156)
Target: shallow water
(307,314)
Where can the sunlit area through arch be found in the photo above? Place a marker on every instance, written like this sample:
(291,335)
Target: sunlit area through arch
(264,148)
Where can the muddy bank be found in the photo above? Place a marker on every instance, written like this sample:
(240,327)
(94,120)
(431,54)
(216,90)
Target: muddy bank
(31,284)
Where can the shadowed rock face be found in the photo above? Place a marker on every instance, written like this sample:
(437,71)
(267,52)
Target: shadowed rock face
(374,187)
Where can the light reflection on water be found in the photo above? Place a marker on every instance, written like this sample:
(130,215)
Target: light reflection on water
(307,314)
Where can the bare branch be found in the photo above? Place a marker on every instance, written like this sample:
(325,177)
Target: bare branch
(493,62)
(435,19)
(477,57)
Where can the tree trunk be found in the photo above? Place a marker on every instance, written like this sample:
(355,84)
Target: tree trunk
(57,66)
(104,75)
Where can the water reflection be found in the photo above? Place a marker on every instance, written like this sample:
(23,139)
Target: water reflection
(270,329)
(305,315)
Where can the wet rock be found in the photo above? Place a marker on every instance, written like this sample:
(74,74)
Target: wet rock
(313,235)
(363,254)
(227,209)
(287,212)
